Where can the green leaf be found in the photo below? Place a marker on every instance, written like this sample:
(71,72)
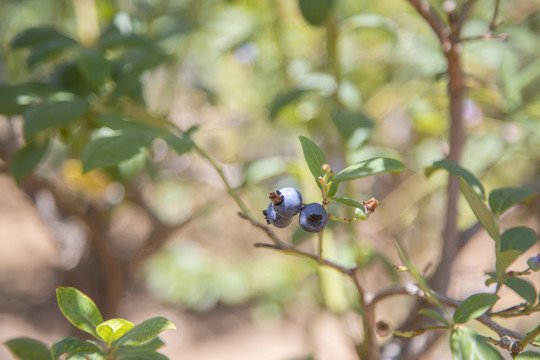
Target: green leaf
(504,260)
(72,345)
(44,43)
(314,156)
(132,353)
(523,288)
(112,150)
(315,11)
(86,356)
(466,344)
(349,122)
(28,349)
(422,284)
(79,309)
(152,344)
(484,216)
(455,169)
(519,238)
(114,329)
(434,315)
(27,158)
(367,168)
(181,145)
(502,199)
(349,202)
(14,99)
(284,99)
(474,306)
(48,50)
(50,115)
(145,331)
(118,122)
(36,36)
(94,67)
(528,355)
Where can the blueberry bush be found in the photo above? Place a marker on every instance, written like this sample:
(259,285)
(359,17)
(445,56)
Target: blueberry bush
(120,339)
(399,108)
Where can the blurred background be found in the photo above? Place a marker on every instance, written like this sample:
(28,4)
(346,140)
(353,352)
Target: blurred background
(159,234)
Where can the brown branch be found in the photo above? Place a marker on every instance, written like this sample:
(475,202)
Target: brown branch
(160,233)
(369,349)
(435,21)
(414,290)
(464,14)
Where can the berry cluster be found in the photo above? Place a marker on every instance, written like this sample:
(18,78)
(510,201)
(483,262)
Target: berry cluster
(286,203)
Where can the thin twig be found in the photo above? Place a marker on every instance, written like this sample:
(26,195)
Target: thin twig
(434,20)
(414,290)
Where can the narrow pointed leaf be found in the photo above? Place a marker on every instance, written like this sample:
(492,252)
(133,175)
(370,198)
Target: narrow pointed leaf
(502,199)
(455,169)
(518,238)
(434,315)
(28,349)
(314,156)
(466,344)
(79,309)
(72,345)
(349,202)
(368,168)
(431,297)
(146,331)
(474,306)
(484,216)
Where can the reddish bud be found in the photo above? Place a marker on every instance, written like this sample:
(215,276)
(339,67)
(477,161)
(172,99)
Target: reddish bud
(382,328)
(371,204)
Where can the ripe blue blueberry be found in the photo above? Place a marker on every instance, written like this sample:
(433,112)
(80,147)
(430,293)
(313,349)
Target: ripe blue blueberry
(287,201)
(534,263)
(313,218)
(274,218)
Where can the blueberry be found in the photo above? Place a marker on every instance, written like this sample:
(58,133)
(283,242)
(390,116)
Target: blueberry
(274,218)
(534,263)
(287,201)
(313,218)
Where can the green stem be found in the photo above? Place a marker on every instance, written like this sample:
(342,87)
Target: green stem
(320,237)
(530,336)
(243,208)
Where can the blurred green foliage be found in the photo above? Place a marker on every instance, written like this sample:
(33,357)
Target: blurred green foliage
(253,75)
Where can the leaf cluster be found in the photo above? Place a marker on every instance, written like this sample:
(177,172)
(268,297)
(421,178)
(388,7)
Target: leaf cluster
(114,338)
